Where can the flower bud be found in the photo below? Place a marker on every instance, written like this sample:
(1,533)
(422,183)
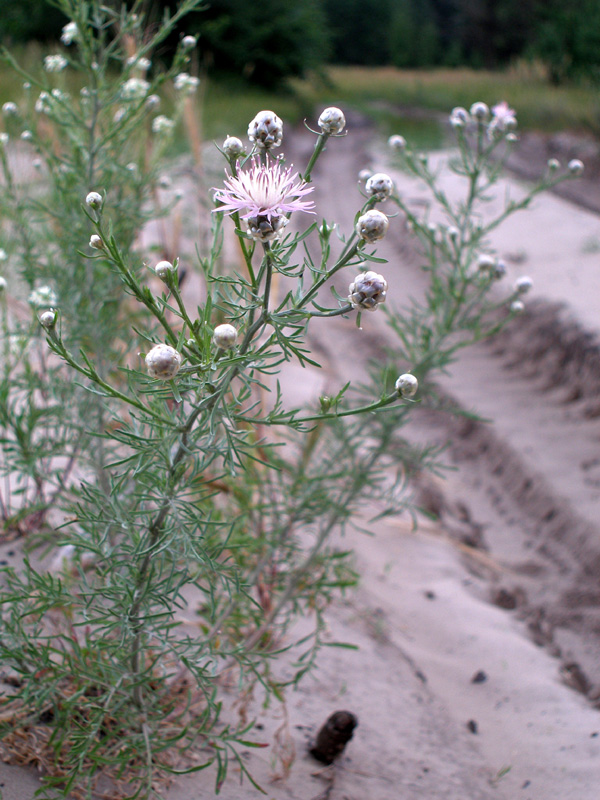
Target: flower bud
(189,42)
(372,226)
(480,111)
(575,166)
(263,229)
(233,147)
(459,117)
(485,262)
(94,200)
(163,269)
(512,138)
(2,285)
(517,307)
(152,102)
(332,121)
(364,175)
(163,362)
(48,319)
(225,336)
(380,186)
(523,284)
(10,109)
(499,270)
(367,290)
(397,142)
(553,164)
(266,130)
(407,385)
(96,242)
(26,136)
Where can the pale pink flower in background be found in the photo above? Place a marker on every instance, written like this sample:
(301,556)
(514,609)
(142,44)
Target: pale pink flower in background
(267,191)
(503,118)
(502,110)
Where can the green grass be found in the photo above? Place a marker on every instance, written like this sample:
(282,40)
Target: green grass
(538,104)
(389,96)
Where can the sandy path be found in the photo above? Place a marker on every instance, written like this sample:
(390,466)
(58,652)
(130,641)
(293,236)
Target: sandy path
(528,487)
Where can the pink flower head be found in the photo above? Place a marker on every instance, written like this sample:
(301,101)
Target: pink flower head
(502,110)
(265,191)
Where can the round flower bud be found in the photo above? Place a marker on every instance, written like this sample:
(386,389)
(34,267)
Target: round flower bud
(512,138)
(96,242)
(10,109)
(367,290)
(517,307)
(480,111)
(485,262)
(163,269)
(94,200)
(48,319)
(26,136)
(380,186)
(266,130)
(189,42)
(364,175)
(163,362)
(453,232)
(152,102)
(2,285)
(499,270)
(523,284)
(575,166)
(225,336)
(407,385)
(397,142)
(553,164)
(332,121)
(372,226)
(3,255)
(459,117)
(263,229)
(233,147)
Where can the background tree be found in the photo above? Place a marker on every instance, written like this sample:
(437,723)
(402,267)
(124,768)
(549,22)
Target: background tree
(568,39)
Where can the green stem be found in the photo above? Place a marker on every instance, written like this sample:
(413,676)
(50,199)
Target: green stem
(318,149)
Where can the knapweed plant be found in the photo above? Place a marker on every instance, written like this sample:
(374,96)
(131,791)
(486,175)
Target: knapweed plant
(198,505)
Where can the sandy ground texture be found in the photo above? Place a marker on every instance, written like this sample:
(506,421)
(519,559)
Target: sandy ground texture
(477,673)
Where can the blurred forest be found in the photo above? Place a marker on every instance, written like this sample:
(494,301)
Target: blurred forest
(270,41)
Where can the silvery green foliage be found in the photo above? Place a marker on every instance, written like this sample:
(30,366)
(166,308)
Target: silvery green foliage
(201,538)
(81,126)
(462,304)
